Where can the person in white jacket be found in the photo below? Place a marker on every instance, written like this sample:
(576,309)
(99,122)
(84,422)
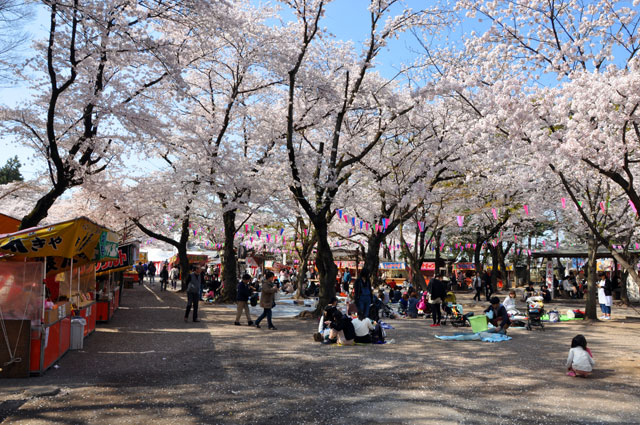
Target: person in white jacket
(580,361)
(363,326)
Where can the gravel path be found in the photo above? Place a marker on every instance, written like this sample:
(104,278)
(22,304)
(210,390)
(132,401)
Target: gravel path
(148,366)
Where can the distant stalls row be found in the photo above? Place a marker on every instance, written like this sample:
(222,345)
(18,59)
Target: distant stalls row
(56,282)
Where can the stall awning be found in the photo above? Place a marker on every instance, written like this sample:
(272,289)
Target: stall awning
(80,240)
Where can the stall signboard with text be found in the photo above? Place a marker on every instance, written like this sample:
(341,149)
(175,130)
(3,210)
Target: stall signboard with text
(125,260)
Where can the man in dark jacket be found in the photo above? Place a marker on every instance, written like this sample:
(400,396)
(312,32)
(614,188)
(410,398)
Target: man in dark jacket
(363,292)
(437,292)
(151,271)
(242,300)
(140,270)
(194,291)
(486,282)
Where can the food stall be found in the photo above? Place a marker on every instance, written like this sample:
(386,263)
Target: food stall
(62,256)
(110,278)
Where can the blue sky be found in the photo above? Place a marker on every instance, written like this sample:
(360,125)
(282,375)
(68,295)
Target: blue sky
(346,19)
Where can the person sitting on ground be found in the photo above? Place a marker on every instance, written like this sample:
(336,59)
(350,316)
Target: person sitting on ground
(362,327)
(499,317)
(404,304)
(580,361)
(546,294)
(510,302)
(412,307)
(323,329)
(341,328)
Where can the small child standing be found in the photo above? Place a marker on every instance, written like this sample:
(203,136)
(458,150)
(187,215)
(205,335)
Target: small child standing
(580,361)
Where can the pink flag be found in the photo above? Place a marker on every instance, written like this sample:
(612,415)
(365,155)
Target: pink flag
(421,226)
(460,220)
(367,226)
(306,232)
(633,207)
(526,209)
(529,252)
(602,207)
(346,218)
(564,202)
(516,237)
(246,228)
(544,243)
(557,244)
(495,213)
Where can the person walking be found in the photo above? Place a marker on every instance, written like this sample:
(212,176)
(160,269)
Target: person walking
(242,300)
(267,299)
(193,294)
(175,275)
(477,285)
(486,282)
(604,296)
(346,281)
(437,291)
(362,291)
(140,270)
(151,270)
(164,277)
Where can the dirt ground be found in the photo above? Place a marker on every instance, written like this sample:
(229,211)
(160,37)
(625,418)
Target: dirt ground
(148,366)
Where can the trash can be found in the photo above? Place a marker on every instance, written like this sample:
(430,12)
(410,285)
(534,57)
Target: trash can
(77,333)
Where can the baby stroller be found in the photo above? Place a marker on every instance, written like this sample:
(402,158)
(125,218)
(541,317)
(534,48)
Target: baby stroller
(453,313)
(387,312)
(535,311)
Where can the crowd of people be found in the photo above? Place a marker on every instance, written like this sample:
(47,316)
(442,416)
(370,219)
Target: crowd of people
(359,322)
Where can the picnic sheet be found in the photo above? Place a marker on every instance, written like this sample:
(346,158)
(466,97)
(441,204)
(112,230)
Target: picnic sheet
(478,336)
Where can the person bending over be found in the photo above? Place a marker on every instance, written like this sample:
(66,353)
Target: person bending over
(500,318)
(341,328)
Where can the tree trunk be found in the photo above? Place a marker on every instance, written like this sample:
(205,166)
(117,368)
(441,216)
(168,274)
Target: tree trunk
(439,260)
(590,308)
(327,269)
(184,266)
(230,271)
(372,256)
(476,253)
(528,277)
(307,250)
(41,209)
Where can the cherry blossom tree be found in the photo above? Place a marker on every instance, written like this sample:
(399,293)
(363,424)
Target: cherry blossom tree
(92,71)
(351,109)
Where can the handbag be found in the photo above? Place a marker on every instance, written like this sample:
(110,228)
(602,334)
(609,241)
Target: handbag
(253,300)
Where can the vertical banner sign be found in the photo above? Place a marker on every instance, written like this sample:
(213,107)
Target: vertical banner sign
(549,278)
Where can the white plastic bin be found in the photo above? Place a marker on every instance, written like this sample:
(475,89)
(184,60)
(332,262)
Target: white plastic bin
(77,333)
